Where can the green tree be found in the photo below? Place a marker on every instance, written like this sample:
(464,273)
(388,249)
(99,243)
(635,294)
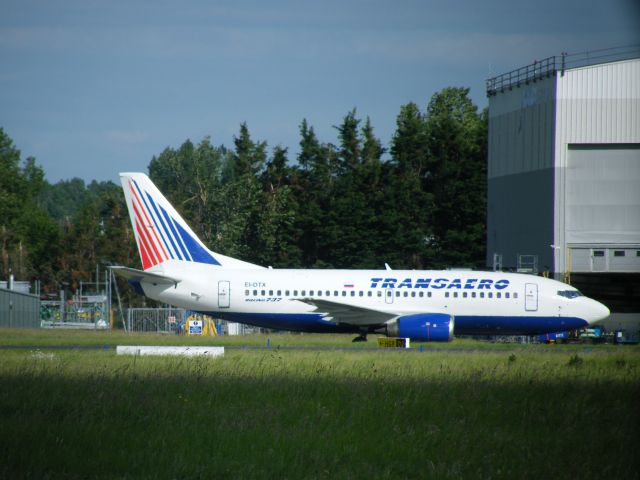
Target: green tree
(457,144)
(278,232)
(408,226)
(311,184)
(190,177)
(350,233)
(248,157)
(63,199)
(28,237)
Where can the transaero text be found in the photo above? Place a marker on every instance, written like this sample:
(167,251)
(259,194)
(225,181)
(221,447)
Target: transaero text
(441,283)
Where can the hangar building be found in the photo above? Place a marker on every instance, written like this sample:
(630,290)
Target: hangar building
(564,171)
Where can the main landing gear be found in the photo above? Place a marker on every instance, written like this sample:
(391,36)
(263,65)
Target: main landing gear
(360,338)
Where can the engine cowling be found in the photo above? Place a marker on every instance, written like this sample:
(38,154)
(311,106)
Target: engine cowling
(422,327)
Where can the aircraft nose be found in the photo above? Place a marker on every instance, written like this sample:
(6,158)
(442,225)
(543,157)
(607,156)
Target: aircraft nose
(598,311)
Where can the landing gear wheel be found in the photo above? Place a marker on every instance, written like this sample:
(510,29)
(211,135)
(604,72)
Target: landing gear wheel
(360,338)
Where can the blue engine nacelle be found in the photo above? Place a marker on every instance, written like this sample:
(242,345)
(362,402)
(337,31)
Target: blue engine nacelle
(422,327)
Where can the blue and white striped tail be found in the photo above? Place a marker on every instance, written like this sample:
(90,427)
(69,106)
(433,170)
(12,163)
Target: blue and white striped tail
(160,232)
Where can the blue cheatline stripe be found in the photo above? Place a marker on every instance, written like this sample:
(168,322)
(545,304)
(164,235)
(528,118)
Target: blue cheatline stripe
(155,223)
(175,234)
(164,227)
(198,253)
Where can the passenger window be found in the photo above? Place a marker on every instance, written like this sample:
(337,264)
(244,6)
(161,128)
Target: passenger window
(506,295)
(328,293)
(498,295)
(335,293)
(319,293)
(369,293)
(344,293)
(473,294)
(413,294)
(379,293)
(295,293)
(279,292)
(464,294)
(406,294)
(455,294)
(310,293)
(490,295)
(481,294)
(446,294)
(255,293)
(286,293)
(262,292)
(353,294)
(429,294)
(361,294)
(303,293)
(246,293)
(515,294)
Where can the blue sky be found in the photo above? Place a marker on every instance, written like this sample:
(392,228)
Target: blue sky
(93,87)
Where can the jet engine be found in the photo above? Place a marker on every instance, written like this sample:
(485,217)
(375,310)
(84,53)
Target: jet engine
(422,327)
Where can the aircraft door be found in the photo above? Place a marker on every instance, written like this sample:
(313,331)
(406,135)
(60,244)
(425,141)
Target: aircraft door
(531,297)
(224,294)
(388,295)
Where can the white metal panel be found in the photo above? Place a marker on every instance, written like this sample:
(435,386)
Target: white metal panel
(598,104)
(603,195)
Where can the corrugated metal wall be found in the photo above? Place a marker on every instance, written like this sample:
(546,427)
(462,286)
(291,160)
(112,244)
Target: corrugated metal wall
(521,129)
(520,170)
(597,115)
(536,196)
(598,104)
(19,310)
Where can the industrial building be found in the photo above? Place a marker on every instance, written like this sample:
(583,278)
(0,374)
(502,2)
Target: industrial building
(18,308)
(564,172)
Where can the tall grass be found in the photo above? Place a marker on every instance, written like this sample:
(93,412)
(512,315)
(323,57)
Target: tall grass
(320,414)
(108,338)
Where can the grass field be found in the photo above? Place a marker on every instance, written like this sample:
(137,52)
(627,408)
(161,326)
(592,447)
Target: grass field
(280,413)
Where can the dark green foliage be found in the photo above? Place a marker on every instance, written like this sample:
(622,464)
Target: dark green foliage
(343,206)
(456,142)
(28,237)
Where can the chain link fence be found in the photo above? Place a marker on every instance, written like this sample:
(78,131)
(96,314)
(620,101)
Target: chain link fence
(158,320)
(172,320)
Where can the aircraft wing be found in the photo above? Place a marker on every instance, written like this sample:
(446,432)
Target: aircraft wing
(350,314)
(142,276)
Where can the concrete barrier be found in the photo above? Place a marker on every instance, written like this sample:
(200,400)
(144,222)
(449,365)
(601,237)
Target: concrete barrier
(168,350)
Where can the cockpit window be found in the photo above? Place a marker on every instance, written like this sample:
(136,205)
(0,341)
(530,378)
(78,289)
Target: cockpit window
(569,293)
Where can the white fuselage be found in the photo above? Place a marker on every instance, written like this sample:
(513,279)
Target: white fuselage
(481,302)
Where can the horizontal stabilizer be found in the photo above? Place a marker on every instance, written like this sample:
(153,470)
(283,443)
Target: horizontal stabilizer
(146,277)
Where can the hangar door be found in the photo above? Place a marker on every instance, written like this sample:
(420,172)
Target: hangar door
(602,195)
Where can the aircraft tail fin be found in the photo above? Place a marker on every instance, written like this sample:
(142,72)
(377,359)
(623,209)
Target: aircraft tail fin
(160,232)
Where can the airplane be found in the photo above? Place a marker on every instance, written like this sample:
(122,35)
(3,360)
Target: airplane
(423,305)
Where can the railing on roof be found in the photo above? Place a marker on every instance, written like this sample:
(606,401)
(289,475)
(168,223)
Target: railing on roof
(550,66)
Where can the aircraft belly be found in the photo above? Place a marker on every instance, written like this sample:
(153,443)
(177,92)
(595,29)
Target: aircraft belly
(514,325)
(301,322)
